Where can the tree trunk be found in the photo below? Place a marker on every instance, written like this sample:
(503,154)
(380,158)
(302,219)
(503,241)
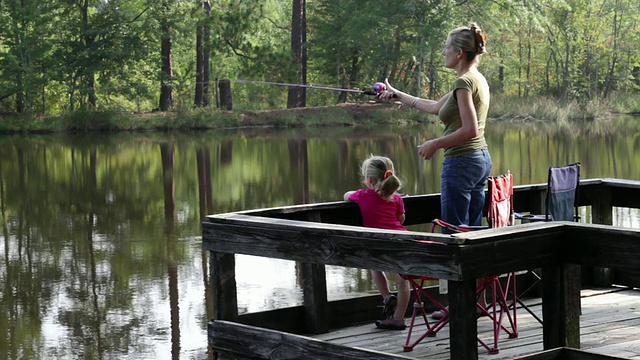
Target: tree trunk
(297,95)
(205,58)
(92,98)
(166,73)
(19,93)
(89,76)
(610,79)
(529,56)
(199,92)
(202,57)
(19,74)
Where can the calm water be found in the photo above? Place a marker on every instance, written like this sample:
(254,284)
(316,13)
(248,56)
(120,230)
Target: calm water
(101,255)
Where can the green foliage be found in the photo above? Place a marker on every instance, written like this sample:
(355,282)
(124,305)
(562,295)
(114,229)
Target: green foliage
(57,56)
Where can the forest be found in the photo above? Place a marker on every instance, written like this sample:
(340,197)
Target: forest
(61,56)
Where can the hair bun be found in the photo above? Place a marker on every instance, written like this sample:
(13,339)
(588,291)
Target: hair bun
(481,38)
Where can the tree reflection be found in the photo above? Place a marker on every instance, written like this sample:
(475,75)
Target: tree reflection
(101,251)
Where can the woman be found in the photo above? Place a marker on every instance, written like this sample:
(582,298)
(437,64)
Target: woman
(467,162)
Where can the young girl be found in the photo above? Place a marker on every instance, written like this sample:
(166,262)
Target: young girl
(382,207)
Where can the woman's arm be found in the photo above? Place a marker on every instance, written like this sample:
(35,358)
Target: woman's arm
(466,132)
(430,106)
(426,105)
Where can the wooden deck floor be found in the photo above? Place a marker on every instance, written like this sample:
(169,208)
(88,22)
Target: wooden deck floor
(609,324)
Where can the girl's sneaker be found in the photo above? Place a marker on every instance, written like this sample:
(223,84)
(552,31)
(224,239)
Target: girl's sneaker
(389,307)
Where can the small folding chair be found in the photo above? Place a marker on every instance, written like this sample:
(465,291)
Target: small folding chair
(500,214)
(418,290)
(561,204)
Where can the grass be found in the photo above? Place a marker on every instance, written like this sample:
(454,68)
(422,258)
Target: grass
(544,108)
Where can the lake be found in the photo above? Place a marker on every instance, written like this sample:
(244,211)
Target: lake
(101,239)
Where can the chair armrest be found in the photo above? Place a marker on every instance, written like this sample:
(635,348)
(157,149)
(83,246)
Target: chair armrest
(531,217)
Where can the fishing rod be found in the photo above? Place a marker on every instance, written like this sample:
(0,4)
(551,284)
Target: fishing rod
(378,87)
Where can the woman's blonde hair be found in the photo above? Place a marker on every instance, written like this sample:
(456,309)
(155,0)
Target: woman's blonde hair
(380,170)
(469,39)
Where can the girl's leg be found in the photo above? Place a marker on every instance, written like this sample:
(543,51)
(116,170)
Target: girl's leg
(395,321)
(404,295)
(380,279)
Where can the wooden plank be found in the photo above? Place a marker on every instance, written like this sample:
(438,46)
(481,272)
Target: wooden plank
(426,206)
(513,248)
(339,313)
(566,354)
(256,343)
(421,209)
(274,224)
(401,253)
(602,322)
(601,245)
(334,248)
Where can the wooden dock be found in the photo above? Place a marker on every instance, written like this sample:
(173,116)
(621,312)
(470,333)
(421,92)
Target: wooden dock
(609,325)
(569,254)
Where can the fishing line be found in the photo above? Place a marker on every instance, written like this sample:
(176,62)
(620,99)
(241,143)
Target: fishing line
(377,87)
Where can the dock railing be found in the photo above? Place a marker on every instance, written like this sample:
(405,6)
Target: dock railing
(328,234)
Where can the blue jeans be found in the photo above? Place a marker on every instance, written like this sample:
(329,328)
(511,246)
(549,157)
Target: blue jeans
(462,184)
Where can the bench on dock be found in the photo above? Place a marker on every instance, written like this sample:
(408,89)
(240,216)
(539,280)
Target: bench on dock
(328,234)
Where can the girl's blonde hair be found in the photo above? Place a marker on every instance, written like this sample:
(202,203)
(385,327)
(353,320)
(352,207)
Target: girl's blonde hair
(380,170)
(469,39)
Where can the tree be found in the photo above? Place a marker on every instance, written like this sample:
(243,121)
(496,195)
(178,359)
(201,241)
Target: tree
(166,72)
(203,47)
(297,95)
(26,46)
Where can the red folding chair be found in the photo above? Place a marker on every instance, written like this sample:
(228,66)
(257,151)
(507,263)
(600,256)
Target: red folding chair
(418,290)
(502,308)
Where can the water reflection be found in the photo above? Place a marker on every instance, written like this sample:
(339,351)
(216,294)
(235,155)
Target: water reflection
(101,253)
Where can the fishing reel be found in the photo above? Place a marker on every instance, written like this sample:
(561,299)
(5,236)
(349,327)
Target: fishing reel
(378,88)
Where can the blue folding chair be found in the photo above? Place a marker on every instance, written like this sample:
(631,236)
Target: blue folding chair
(561,204)
(561,201)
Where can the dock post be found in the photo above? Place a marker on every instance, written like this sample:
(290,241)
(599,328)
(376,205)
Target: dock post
(222,269)
(602,213)
(314,285)
(463,326)
(561,306)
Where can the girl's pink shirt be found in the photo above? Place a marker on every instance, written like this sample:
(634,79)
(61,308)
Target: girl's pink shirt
(377,212)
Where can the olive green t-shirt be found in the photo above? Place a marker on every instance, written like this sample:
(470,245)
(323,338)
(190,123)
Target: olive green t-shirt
(450,113)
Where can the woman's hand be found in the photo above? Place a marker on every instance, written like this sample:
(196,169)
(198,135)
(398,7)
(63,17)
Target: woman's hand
(389,92)
(427,149)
